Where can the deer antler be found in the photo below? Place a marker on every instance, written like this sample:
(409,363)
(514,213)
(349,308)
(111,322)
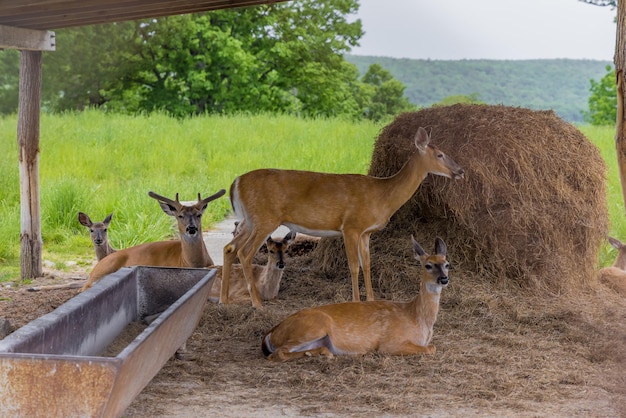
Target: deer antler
(206,200)
(164,199)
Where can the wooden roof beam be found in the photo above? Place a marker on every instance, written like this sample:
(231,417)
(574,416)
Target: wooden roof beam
(26,39)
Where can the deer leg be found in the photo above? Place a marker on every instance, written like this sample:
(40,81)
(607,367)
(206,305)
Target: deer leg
(408,348)
(246,254)
(351,242)
(364,255)
(283,354)
(230,252)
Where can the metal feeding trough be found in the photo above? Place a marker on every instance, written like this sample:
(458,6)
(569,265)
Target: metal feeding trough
(55,366)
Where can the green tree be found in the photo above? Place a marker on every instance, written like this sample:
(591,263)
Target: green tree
(603,100)
(88,65)
(279,58)
(382,95)
(286,57)
(9,80)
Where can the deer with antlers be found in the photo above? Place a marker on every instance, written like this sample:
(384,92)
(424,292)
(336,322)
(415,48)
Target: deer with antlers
(397,328)
(98,232)
(321,204)
(188,251)
(615,276)
(266,278)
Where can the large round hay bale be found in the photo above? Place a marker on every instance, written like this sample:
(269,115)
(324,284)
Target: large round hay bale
(531,211)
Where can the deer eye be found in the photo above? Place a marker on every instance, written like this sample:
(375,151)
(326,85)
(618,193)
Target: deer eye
(91,230)
(440,155)
(447,265)
(106,229)
(428,266)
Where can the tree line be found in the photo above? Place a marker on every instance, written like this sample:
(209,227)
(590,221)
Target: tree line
(559,84)
(280,58)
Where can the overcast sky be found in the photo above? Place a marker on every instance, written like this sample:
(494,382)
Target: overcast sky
(486,29)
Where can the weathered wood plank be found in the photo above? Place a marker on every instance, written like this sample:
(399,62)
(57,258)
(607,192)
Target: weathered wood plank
(26,39)
(28,147)
(55,14)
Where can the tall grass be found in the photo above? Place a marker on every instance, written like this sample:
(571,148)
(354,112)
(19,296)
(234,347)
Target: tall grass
(604,138)
(99,164)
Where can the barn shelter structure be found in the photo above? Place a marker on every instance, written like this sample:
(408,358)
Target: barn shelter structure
(27,25)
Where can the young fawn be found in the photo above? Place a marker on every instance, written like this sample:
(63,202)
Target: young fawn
(188,251)
(266,278)
(615,276)
(99,234)
(322,204)
(396,328)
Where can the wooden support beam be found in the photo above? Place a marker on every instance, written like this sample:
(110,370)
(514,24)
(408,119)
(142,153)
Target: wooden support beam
(26,39)
(28,148)
(620,67)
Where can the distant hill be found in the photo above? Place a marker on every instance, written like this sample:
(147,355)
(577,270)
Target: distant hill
(558,84)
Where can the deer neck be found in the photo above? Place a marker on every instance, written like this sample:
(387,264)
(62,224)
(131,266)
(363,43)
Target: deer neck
(269,280)
(103,250)
(402,185)
(194,252)
(426,305)
(620,261)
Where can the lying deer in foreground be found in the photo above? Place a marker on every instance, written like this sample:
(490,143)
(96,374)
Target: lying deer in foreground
(397,328)
(615,276)
(322,204)
(266,278)
(99,234)
(188,251)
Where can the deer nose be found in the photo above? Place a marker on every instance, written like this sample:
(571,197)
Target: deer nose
(443,280)
(97,241)
(192,230)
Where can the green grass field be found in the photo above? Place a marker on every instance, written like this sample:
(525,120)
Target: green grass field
(98,164)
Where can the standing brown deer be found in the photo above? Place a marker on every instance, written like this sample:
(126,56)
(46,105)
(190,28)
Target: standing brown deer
(615,276)
(266,278)
(99,234)
(321,204)
(397,328)
(188,251)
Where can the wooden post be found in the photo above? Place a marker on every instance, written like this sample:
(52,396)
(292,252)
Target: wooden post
(28,147)
(620,123)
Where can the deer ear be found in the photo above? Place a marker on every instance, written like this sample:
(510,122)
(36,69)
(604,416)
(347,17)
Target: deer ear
(167,208)
(421,140)
(107,220)
(617,244)
(440,247)
(84,219)
(419,251)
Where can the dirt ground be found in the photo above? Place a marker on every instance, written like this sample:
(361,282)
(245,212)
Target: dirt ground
(498,354)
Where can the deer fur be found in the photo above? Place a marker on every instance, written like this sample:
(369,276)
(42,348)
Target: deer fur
(98,232)
(615,276)
(397,328)
(188,251)
(266,278)
(321,204)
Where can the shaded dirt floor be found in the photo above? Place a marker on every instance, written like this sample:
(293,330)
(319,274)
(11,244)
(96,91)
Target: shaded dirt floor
(498,354)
